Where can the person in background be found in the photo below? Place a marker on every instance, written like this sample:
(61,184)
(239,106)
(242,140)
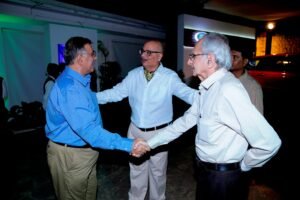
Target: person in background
(53,70)
(233,136)
(3,95)
(149,89)
(110,74)
(3,88)
(74,127)
(240,60)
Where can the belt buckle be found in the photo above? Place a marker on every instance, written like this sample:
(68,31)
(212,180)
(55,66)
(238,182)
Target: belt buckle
(222,168)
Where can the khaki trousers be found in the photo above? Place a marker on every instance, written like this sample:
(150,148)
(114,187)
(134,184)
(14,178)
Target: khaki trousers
(73,172)
(149,170)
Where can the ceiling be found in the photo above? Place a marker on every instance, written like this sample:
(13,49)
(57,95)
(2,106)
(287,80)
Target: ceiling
(164,12)
(261,10)
(160,11)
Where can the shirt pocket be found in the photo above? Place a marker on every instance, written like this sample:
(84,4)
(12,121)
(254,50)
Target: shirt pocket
(207,130)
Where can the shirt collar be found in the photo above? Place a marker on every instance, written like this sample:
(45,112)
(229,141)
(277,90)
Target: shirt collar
(244,75)
(51,77)
(84,80)
(158,69)
(213,78)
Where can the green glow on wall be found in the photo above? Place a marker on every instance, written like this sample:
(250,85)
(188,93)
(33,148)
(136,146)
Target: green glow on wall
(6,23)
(18,20)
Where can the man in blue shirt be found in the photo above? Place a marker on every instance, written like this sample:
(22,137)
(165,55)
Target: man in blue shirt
(74,127)
(150,89)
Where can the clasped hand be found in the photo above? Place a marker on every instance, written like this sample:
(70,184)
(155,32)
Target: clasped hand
(140,147)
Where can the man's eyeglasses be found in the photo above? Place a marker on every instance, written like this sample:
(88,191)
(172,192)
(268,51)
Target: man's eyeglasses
(148,52)
(93,54)
(192,56)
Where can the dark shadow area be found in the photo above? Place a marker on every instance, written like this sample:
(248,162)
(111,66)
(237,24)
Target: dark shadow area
(281,107)
(31,177)
(9,163)
(116,119)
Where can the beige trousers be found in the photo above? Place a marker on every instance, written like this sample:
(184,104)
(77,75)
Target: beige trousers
(73,172)
(148,171)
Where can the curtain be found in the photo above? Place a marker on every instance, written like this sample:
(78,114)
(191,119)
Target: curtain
(25,61)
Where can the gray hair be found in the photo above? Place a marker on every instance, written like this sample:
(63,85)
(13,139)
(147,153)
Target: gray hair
(218,45)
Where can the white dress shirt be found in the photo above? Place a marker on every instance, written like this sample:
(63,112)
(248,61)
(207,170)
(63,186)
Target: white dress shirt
(150,101)
(254,90)
(227,122)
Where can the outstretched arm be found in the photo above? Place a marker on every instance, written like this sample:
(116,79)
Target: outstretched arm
(178,127)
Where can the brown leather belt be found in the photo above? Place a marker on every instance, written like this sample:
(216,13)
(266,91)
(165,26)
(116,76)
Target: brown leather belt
(71,146)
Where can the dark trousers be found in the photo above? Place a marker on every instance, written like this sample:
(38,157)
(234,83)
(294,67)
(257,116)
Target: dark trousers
(214,184)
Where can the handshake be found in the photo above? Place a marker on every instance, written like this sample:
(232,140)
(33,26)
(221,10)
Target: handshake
(140,147)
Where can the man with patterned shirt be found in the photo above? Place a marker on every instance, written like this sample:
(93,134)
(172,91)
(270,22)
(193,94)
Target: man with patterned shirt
(150,89)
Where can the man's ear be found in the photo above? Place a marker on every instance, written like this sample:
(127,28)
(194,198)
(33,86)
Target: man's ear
(211,59)
(211,62)
(77,60)
(245,61)
(160,57)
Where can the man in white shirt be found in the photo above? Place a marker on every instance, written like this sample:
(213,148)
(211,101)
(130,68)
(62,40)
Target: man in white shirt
(232,135)
(240,60)
(150,89)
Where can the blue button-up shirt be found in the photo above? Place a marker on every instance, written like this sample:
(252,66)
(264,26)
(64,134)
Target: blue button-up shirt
(73,115)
